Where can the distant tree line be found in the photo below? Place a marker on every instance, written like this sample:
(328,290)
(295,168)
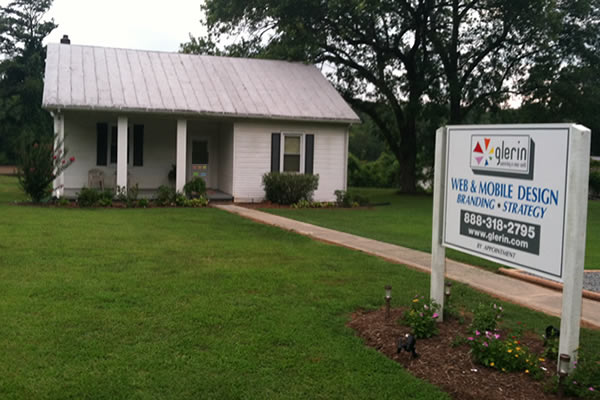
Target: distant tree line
(22,63)
(409,66)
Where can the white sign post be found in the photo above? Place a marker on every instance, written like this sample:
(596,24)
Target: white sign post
(515,195)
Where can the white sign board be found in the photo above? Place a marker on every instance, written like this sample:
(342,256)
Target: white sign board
(505,195)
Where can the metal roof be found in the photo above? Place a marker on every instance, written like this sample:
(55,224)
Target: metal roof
(102,78)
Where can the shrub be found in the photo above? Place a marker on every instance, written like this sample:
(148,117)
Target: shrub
(88,197)
(165,195)
(349,199)
(128,197)
(195,188)
(313,204)
(62,202)
(38,166)
(506,355)
(584,382)
(180,200)
(422,317)
(382,172)
(106,198)
(594,184)
(143,203)
(486,317)
(289,188)
(197,202)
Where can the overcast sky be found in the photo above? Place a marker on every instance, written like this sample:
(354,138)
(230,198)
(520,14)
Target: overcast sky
(136,24)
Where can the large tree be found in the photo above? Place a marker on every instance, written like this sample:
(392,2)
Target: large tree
(564,84)
(22,30)
(486,46)
(393,59)
(374,51)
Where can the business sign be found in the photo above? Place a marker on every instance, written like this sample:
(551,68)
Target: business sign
(505,195)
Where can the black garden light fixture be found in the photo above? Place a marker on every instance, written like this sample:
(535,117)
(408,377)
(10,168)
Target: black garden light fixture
(409,344)
(447,290)
(388,299)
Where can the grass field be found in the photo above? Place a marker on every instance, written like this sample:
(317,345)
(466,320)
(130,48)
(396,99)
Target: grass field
(407,222)
(194,303)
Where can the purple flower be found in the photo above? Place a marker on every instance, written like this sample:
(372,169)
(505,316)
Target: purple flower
(496,336)
(477,332)
(435,315)
(470,338)
(485,344)
(591,389)
(421,314)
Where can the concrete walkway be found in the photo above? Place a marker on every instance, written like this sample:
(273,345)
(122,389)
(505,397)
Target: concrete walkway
(504,287)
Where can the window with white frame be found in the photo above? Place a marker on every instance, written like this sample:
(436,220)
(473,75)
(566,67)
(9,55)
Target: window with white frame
(292,148)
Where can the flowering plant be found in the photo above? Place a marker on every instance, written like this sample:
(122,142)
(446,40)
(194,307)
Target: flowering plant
(39,165)
(486,317)
(422,316)
(584,382)
(505,354)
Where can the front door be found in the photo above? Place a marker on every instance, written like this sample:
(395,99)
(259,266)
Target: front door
(200,166)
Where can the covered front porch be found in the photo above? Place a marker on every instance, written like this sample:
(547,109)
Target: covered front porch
(146,151)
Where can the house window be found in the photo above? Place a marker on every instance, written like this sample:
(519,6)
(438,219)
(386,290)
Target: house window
(291,153)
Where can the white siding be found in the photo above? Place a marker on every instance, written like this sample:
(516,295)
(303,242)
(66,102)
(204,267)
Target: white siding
(252,150)
(159,150)
(80,140)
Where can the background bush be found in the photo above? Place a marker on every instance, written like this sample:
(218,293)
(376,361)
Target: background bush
(195,188)
(88,197)
(165,195)
(350,199)
(289,188)
(594,191)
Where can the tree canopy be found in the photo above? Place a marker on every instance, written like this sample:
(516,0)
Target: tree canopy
(394,59)
(22,30)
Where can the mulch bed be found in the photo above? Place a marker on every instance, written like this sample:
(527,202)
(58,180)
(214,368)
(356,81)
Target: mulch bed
(448,367)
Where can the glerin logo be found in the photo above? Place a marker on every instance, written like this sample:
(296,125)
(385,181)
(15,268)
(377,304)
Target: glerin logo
(502,155)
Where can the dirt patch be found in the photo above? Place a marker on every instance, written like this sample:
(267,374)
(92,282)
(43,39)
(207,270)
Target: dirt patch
(262,204)
(8,170)
(450,367)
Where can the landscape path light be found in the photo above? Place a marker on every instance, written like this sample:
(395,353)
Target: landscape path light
(447,293)
(564,364)
(388,299)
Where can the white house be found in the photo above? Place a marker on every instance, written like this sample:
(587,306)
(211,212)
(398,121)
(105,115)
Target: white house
(128,116)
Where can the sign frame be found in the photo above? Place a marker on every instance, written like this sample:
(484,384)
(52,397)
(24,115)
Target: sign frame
(574,224)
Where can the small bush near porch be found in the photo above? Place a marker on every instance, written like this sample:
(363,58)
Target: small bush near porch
(182,303)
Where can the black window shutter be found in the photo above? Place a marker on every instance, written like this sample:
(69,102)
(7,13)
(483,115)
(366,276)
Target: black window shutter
(275,151)
(138,145)
(113,145)
(309,154)
(101,143)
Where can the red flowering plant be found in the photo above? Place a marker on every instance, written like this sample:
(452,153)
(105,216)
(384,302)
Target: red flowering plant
(39,165)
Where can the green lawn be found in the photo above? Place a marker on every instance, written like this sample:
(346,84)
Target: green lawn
(194,303)
(407,222)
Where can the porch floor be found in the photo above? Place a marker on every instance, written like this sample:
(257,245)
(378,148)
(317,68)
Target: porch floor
(217,195)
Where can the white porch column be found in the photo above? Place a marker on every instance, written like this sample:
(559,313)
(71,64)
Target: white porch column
(59,146)
(181,154)
(122,154)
